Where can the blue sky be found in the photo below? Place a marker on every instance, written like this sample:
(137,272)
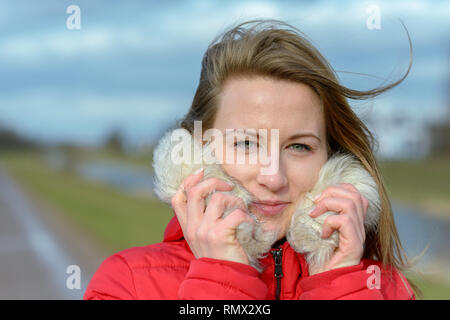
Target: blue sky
(134,65)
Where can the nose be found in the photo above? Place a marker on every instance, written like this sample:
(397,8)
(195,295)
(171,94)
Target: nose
(274,181)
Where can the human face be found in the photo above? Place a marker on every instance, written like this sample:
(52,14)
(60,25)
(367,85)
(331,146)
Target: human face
(292,108)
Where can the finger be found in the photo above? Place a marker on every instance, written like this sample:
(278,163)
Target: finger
(344,226)
(192,180)
(342,206)
(196,197)
(342,191)
(219,203)
(230,223)
(179,203)
(364,201)
(179,200)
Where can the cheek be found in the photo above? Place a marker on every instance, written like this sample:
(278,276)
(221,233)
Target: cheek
(244,172)
(302,177)
(241,172)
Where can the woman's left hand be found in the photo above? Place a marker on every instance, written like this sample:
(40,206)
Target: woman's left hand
(351,207)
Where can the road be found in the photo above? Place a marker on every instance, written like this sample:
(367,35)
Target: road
(37,246)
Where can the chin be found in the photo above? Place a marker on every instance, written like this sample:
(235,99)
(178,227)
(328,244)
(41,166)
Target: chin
(271,224)
(277,222)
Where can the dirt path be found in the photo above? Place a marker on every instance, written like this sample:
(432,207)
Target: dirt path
(37,245)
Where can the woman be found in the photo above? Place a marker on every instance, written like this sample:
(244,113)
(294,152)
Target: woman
(265,74)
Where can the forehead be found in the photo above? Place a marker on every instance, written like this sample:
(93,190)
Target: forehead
(269,103)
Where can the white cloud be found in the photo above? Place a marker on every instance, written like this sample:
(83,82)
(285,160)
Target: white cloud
(160,32)
(33,47)
(201,22)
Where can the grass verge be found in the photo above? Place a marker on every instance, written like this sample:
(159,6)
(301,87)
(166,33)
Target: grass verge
(117,220)
(423,184)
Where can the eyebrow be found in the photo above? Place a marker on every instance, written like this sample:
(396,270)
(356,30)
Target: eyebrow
(293,137)
(303,134)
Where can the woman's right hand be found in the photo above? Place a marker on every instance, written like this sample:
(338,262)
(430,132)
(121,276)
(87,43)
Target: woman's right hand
(207,234)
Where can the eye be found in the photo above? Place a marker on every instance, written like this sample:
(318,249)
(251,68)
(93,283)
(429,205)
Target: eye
(299,147)
(247,144)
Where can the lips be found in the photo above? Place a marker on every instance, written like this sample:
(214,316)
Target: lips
(270,208)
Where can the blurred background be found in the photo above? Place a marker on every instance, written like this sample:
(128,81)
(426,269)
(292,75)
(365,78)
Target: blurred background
(86,91)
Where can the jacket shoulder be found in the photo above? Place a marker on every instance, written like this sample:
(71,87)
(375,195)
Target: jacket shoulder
(392,283)
(139,272)
(369,280)
(174,253)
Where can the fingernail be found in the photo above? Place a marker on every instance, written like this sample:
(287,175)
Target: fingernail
(311,211)
(198,171)
(317,197)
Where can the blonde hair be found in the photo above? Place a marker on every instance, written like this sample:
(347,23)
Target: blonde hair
(275,49)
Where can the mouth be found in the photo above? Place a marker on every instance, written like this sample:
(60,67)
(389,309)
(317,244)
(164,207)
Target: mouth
(270,208)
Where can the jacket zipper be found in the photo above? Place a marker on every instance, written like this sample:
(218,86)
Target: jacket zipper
(277,256)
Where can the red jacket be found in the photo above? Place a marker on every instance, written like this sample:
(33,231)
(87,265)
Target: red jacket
(168,270)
